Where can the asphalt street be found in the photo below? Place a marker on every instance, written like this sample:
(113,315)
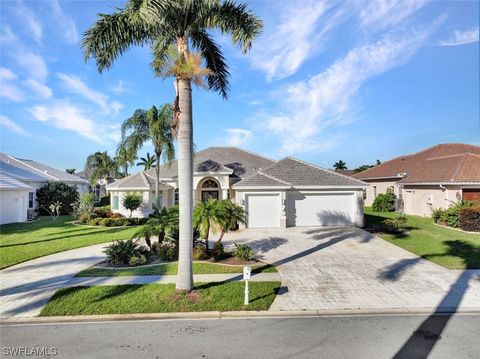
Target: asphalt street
(369,336)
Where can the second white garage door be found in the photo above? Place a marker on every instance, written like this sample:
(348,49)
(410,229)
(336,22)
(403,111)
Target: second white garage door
(319,209)
(263,210)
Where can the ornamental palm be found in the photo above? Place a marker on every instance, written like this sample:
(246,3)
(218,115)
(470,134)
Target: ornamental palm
(154,126)
(183,23)
(205,218)
(125,158)
(147,162)
(100,165)
(340,166)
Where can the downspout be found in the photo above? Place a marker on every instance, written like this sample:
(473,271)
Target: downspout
(446,195)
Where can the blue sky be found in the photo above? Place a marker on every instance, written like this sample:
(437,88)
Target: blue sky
(350,80)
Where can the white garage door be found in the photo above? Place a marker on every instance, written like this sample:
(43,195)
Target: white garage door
(263,210)
(12,207)
(319,209)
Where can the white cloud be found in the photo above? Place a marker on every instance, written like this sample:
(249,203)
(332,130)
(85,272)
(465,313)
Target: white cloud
(40,89)
(295,37)
(12,126)
(119,88)
(238,137)
(8,89)
(32,63)
(66,116)
(384,13)
(75,85)
(65,23)
(328,98)
(30,20)
(462,37)
(7,37)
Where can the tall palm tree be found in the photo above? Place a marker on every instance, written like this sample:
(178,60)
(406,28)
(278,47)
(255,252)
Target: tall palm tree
(154,126)
(147,162)
(340,166)
(100,165)
(125,158)
(184,24)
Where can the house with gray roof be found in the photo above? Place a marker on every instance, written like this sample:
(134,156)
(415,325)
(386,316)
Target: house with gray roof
(275,194)
(19,180)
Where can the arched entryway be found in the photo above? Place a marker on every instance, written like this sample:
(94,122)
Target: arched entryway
(209,188)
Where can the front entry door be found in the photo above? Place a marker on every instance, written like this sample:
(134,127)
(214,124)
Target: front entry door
(206,195)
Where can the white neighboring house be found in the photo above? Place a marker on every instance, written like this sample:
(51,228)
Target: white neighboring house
(276,194)
(19,181)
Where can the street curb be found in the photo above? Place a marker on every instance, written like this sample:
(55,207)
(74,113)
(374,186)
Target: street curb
(236,314)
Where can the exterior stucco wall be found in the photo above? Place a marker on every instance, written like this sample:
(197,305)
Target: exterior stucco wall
(143,211)
(417,196)
(381,187)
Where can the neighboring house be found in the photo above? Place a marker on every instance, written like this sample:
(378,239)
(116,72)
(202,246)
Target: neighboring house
(275,194)
(433,178)
(19,180)
(99,189)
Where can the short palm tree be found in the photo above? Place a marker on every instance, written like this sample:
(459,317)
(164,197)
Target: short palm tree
(184,24)
(125,158)
(205,218)
(340,166)
(229,215)
(100,165)
(147,162)
(151,126)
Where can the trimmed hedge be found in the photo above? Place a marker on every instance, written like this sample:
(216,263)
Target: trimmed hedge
(469,219)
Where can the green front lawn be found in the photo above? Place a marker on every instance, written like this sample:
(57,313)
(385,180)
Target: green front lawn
(159,298)
(447,247)
(171,269)
(20,242)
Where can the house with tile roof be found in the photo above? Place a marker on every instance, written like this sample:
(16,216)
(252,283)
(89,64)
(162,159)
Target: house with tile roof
(19,180)
(274,193)
(435,177)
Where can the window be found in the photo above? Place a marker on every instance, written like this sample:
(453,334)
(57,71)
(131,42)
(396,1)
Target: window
(374,191)
(209,184)
(30,199)
(115,202)
(176,196)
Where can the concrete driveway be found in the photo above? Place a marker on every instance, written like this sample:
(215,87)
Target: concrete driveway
(348,268)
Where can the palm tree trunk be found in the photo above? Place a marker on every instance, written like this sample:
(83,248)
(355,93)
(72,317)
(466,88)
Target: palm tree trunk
(157,182)
(185,184)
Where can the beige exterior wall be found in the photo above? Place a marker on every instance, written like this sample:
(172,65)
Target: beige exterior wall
(421,200)
(380,186)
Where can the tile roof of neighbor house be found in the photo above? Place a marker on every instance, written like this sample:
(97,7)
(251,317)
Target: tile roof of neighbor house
(444,163)
(296,173)
(34,171)
(7,182)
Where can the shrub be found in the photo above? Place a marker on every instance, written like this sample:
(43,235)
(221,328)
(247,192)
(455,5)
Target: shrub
(166,251)
(437,215)
(469,219)
(120,252)
(244,252)
(384,202)
(83,208)
(94,221)
(137,260)
(132,202)
(199,253)
(54,192)
(451,216)
(218,252)
(107,222)
(102,212)
(395,225)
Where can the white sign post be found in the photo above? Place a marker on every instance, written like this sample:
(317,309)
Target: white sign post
(247,271)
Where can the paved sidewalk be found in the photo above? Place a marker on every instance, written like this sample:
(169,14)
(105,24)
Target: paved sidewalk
(26,287)
(165,279)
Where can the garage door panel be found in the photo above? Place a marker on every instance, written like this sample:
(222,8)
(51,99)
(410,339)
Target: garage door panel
(263,210)
(319,209)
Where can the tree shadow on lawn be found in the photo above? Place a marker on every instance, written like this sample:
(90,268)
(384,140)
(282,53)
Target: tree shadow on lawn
(423,339)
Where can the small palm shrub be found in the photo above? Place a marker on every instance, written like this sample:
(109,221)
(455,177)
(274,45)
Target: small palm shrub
(384,202)
(83,208)
(120,252)
(244,252)
(395,225)
(137,260)
(218,252)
